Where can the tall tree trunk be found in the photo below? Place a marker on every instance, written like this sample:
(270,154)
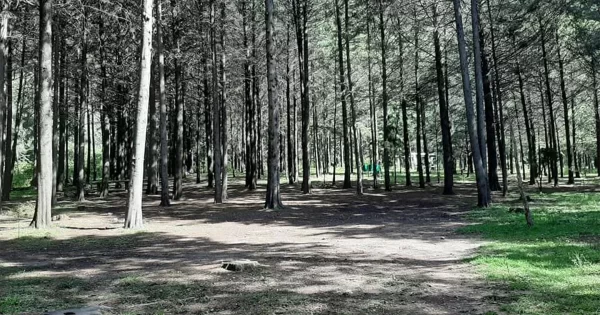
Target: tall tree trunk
(404,105)
(55,95)
(552,131)
(248,96)
(290,137)
(480,94)
(530,143)
(223,104)
(419,112)
(178,134)
(575,154)
(301,20)
(425,145)
(490,123)
(105,114)
(565,100)
(4,72)
(273,198)
(372,108)
(133,218)
(42,217)
(596,110)
(343,98)
(152,164)
(483,193)
(81,139)
(386,127)
(164,166)
(216,108)
(7,177)
(357,144)
(444,116)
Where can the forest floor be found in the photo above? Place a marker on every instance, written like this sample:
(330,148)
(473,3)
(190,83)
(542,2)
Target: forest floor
(331,252)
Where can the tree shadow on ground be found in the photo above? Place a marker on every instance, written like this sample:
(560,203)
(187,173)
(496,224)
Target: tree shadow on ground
(157,272)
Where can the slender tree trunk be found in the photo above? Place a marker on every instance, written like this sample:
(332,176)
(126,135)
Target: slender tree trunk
(216,108)
(386,127)
(565,100)
(4,77)
(528,215)
(7,177)
(273,198)
(301,20)
(419,112)
(164,166)
(290,138)
(105,115)
(552,131)
(425,145)
(480,94)
(530,143)
(483,198)
(42,217)
(372,109)
(55,95)
(357,144)
(576,164)
(133,218)
(444,116)
(223,104)
(152,163)
(597,111)
(490,124)
(404,105)
(343,97)
(82,107)
(178,128)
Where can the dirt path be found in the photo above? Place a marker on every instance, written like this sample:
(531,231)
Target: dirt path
(328,253)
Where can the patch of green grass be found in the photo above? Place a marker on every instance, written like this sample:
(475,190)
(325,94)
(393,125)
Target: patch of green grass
(551,268)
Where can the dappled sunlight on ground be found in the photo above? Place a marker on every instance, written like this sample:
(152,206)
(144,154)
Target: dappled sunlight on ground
(330,252)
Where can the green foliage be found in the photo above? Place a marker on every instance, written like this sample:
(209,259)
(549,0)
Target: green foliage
(22,175)
(551,268)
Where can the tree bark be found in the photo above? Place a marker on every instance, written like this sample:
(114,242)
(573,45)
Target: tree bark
(565,100)
(178,134)
(551,130)
(386,127)
(8,175)
(444,116)
(483,194)
(357,144)
(273,198)
(152,164)
(8,155)
(42,216)
(133,217)
(490,123)
(4,55)
(216,108)
(83,99)
(223,104)
(372,108)
(343,97)
(164,166)
(419,112)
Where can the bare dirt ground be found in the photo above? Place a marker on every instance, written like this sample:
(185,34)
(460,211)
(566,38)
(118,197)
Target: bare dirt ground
(330,252)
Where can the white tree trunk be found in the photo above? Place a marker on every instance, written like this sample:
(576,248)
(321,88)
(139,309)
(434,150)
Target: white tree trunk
(134,202)
(43,214)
